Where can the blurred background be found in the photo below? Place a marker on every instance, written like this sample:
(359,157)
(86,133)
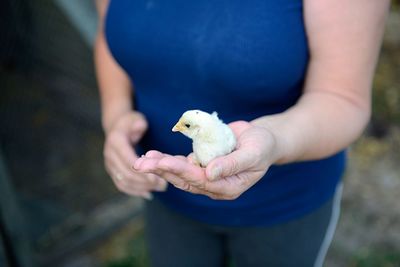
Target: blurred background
(58,207)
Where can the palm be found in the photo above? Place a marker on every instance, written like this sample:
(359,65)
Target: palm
(246,165)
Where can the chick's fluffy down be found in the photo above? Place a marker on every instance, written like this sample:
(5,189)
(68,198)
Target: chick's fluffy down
(211,137)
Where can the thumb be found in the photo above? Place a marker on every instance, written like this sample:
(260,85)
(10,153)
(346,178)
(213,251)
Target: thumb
(229,165)
(137,128)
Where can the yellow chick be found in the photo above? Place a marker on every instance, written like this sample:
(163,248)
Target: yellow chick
(211,137)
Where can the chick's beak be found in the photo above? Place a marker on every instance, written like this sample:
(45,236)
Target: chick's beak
(178,127)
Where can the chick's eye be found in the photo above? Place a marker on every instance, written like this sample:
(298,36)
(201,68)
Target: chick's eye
(187,125)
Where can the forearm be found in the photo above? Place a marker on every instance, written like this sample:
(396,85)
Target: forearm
(319,125)
(114,85)
(335,105)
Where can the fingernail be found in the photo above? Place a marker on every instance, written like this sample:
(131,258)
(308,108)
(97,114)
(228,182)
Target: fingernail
(148,196)
(216,172)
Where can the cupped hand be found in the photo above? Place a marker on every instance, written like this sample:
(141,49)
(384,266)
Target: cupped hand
(225,177)
(119,156)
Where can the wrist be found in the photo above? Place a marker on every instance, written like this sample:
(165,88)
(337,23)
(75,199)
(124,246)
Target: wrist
(280,148)
(113,107)
(109,119)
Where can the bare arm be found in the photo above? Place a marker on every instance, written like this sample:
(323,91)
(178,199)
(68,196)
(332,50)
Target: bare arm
(344,39)
(114,85)
(123,126)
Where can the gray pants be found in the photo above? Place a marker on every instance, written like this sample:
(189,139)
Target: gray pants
(177,241)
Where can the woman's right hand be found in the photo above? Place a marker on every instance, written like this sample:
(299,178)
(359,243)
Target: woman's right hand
(119,156)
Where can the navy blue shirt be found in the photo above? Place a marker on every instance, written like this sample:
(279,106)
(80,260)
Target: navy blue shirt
(243,59)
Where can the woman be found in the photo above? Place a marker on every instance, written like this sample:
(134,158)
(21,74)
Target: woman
(293,78)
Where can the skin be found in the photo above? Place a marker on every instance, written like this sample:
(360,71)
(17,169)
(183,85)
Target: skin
(225,177)
(344,39)
(122,126)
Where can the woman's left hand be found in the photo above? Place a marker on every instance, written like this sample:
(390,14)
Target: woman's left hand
(225,177)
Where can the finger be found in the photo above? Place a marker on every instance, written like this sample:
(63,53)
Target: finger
(147,165)
(154,154)
(133,189)
(149,161)
(229,187)
(143,194)
(125,152)
(159,184)
(146,195)
(117,178)
(124,178)
(180,183)
(118,171)
(153,181)
(125,184)
(214,190)
(229,165)
(171,166)
(181,167)
(191,158)
(182,158)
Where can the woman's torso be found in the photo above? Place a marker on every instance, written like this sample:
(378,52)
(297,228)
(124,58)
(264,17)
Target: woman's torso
(241,59)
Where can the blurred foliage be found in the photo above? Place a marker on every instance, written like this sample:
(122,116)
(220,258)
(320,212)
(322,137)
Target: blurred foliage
(386,94)
(137,256)
(396,4)
(381,258)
